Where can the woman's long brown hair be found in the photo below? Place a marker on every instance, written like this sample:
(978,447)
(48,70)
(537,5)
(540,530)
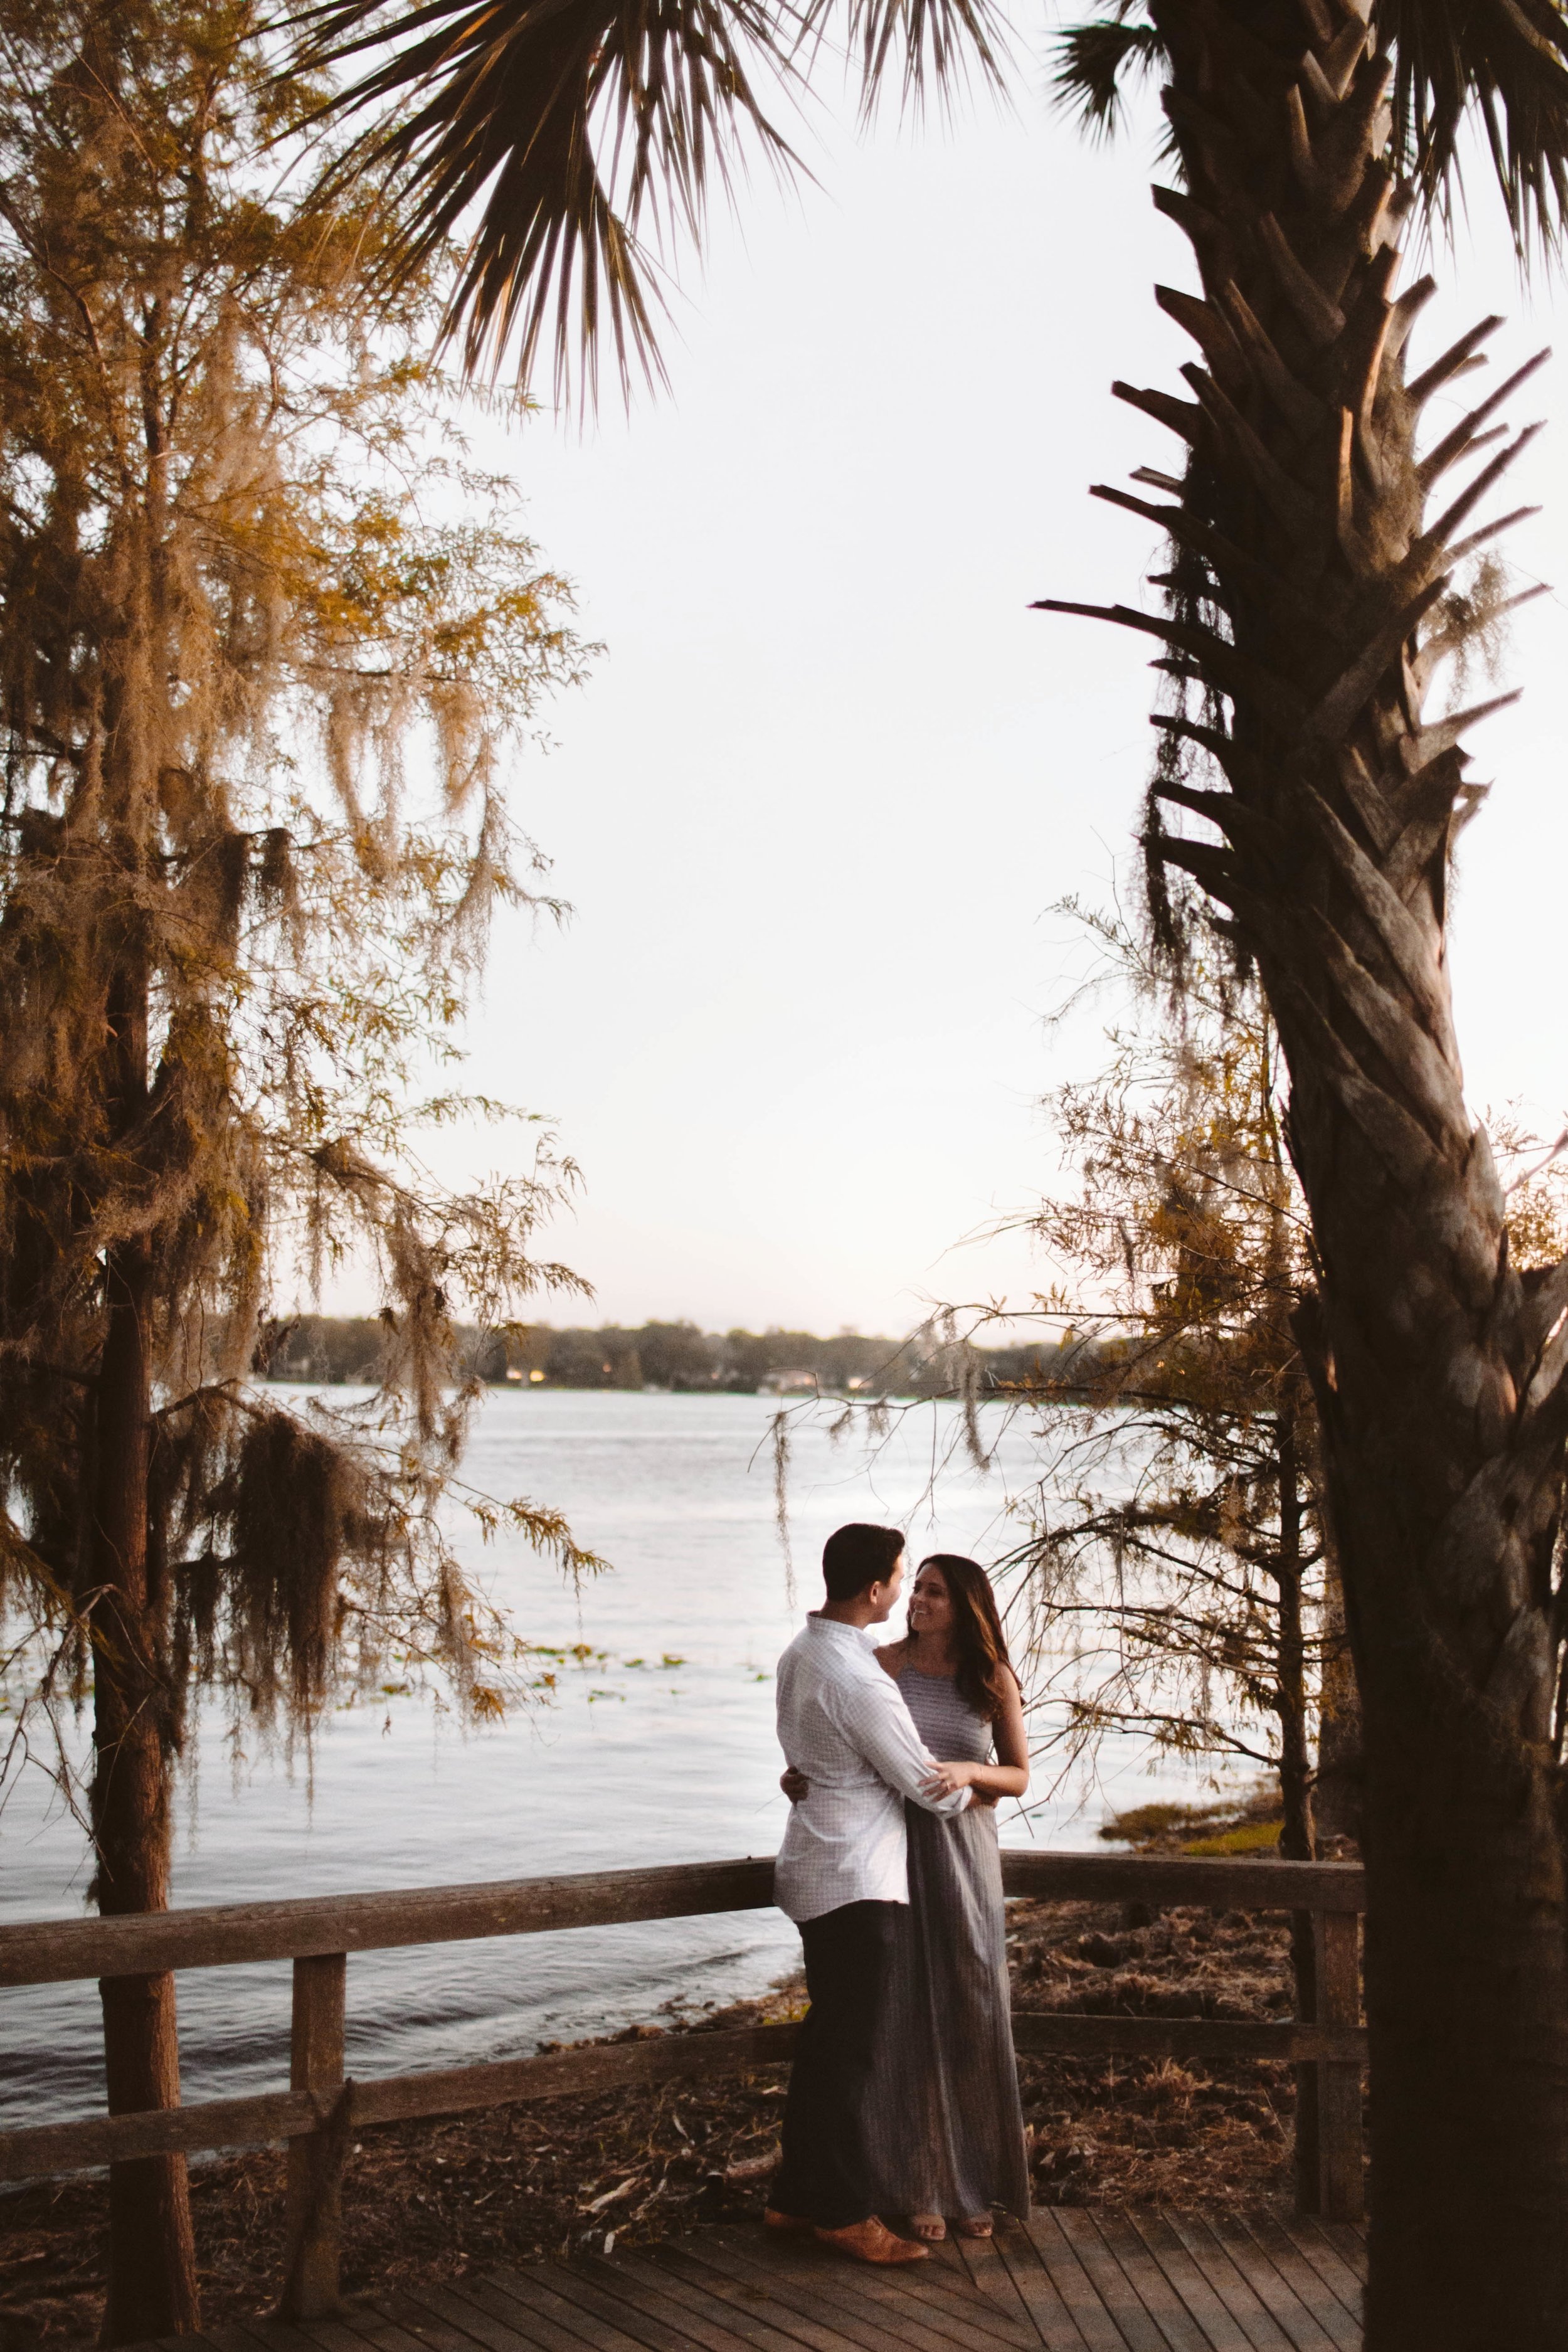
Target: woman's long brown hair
(977,1634)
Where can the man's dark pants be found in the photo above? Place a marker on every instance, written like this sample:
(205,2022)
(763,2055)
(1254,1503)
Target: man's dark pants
(825,2174)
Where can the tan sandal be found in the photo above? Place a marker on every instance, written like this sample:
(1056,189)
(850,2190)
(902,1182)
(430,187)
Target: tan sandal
(976,2225)
(930,2228)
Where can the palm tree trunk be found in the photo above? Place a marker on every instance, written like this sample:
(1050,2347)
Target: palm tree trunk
(151,2251)
(1307,597)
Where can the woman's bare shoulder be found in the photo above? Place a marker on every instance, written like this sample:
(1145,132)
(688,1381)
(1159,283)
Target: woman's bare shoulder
(1003,1688)
(892,1656)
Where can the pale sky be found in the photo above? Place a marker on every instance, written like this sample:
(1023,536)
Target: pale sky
(819,793)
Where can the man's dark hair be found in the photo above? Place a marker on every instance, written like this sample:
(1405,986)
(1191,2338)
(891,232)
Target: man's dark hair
(856,1556)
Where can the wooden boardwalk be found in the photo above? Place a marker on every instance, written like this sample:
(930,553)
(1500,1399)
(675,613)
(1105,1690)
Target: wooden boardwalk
(1075,2280)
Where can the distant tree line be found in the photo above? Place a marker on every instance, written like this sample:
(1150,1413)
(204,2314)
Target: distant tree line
(670,1356)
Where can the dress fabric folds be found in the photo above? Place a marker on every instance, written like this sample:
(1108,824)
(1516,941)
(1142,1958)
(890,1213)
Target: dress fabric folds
(945,2128)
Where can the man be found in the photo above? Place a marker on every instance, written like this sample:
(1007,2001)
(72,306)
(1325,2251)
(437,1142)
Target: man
(841,1877)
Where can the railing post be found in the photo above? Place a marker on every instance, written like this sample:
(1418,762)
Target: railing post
(1337,1973)
(1304,1967)
(316,2161)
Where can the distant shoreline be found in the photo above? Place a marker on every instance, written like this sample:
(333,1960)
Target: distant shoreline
(667,1358)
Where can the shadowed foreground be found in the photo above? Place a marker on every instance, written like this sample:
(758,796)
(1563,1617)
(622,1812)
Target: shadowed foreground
(1075,2280)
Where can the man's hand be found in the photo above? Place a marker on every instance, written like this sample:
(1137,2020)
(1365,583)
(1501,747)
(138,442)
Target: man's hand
(795,1785)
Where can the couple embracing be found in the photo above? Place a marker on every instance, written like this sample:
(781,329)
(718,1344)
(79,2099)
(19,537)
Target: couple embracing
(903,2096)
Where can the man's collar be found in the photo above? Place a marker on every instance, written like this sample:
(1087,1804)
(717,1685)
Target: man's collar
(835,1627)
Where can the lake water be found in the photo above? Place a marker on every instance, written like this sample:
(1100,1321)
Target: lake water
(658,1747)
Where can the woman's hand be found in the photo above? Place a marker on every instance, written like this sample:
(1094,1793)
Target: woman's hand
(947,1779)
(795,1785)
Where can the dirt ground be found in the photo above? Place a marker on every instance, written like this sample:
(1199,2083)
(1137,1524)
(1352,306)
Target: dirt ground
(427,2201)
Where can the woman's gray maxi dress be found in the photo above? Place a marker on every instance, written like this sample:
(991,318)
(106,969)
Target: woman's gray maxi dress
(944,2127)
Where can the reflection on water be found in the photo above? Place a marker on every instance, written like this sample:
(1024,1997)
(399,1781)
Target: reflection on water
(659,1747)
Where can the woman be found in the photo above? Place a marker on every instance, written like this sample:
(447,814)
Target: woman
(944,2124)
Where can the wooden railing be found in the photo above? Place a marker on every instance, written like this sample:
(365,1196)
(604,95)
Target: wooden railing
(321,2107)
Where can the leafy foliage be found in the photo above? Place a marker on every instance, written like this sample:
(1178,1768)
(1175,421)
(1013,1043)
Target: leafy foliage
(265,637)
(1176,1565)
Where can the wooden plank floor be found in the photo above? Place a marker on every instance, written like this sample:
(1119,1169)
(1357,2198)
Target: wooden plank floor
(1083,2279)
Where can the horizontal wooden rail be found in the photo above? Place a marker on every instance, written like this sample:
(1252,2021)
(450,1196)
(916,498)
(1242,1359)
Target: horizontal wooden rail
(1224,2041)
(53,1951)
(1247,1883)
(445,2090)
(56,1951)
(459,2090)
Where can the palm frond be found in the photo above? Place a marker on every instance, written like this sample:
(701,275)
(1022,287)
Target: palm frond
(1094,64)
(935,42)
(567,124)
(546,133)
(1506,61)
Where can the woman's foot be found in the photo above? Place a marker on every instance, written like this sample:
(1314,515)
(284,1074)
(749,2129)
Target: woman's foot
(976,2225)
(930,2226)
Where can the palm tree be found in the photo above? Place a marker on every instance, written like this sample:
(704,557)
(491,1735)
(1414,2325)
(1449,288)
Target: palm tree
(1309,603)
(1312,810)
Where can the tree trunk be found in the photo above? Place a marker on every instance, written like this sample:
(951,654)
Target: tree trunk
(1306,595)
(1297,1835)
(1338,1786)
(152,2250)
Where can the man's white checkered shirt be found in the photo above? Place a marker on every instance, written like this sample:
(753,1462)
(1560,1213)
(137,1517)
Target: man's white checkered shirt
(843,1722)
